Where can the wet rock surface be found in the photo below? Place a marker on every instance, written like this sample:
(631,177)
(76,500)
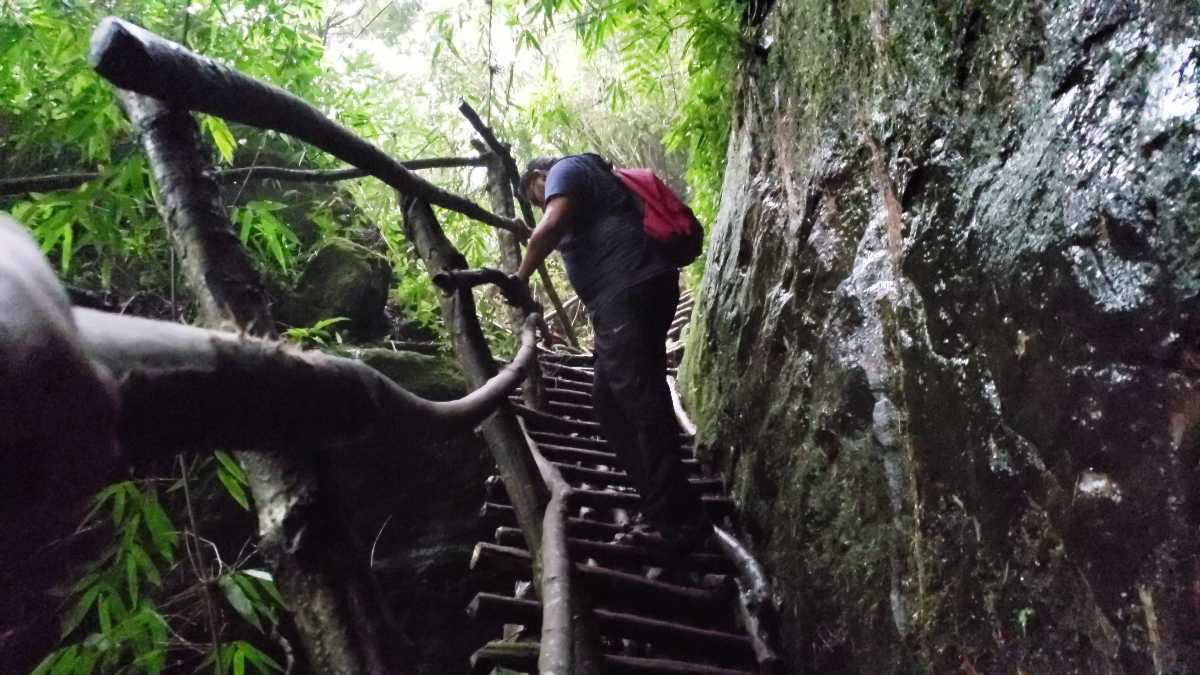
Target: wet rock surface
(948,341)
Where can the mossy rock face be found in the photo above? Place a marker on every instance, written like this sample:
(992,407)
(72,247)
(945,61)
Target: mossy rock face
(342,279)
(946,345)
(436,378)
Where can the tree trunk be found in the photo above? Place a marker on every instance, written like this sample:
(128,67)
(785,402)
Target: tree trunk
(331,598)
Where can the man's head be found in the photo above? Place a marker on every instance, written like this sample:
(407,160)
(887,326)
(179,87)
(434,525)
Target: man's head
(533,181)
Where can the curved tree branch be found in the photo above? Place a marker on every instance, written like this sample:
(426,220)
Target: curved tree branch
(186,388)
(47,183)
(334,175)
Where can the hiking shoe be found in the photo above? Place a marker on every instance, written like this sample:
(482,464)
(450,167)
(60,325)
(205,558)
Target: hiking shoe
(676,539)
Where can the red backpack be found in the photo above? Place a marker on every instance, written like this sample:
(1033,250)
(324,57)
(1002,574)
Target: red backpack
(665,219)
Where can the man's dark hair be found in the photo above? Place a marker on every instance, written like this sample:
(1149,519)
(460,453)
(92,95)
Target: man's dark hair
(535,164)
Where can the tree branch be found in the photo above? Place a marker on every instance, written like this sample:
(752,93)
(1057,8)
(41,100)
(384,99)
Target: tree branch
(67,181)
(48,183)
(315,176)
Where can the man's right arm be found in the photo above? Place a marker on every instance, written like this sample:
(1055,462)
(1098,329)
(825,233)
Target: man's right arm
(549,231)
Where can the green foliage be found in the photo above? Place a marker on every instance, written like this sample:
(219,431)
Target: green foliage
(319,333)
(119,623)
(137,606)
(234,656)
(261,230)
(653,37)
(60,116)
(230,474)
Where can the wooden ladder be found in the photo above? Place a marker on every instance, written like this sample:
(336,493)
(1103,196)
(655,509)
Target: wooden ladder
(655,612)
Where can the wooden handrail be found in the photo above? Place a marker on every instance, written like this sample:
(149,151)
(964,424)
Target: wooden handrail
(135,59)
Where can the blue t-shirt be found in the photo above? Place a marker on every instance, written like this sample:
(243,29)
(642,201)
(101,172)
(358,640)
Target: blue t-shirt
(605,249)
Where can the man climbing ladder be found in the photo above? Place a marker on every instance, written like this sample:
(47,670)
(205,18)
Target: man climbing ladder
(630,286)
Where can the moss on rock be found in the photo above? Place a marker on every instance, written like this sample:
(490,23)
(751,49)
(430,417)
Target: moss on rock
(438,378)
(342,279)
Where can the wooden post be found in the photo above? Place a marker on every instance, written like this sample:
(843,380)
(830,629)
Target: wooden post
(570,642)
(510,261)
(509,170)
(526,490)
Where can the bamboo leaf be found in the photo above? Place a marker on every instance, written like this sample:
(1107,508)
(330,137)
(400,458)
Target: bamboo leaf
(131,575)
(234,488)
(75,617)
(231,465)
(260,660)
(43,667)
(118,511)
(147,565)
(159,526)
(221,137)
(238,600)
(66,661)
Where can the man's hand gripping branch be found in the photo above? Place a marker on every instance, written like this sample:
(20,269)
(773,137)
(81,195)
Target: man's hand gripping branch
(545,237)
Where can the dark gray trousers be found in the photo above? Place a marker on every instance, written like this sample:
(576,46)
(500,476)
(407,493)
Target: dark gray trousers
(632,400)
